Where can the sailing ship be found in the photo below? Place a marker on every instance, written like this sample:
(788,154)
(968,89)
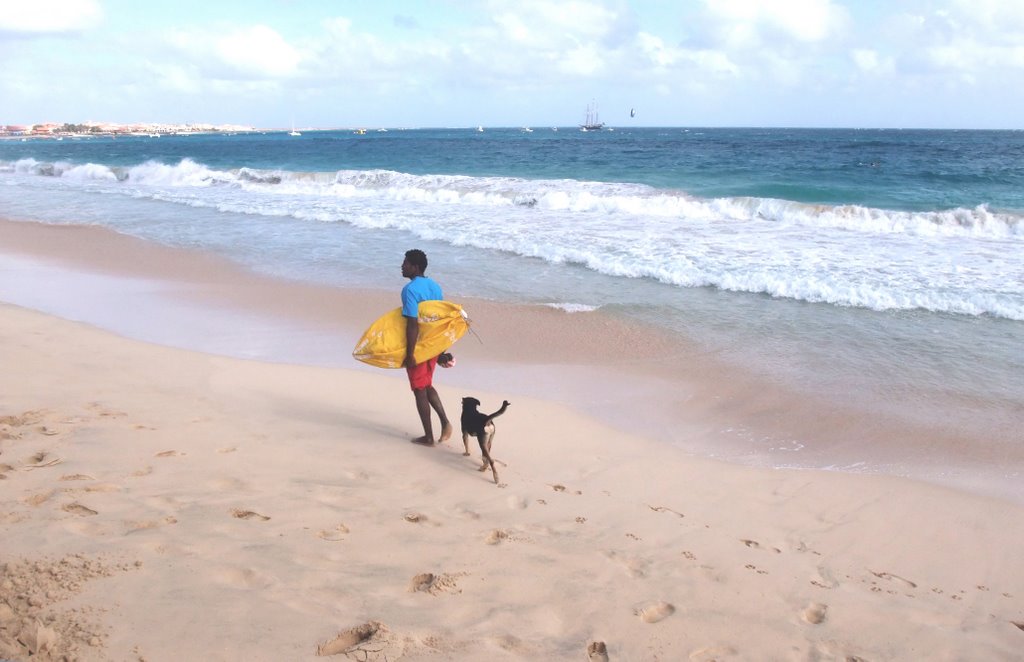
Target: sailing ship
(593,122)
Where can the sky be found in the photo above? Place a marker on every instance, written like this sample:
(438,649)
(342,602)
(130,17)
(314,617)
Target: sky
(458,63)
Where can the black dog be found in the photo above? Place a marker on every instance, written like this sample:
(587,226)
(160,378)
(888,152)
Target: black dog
(480,426)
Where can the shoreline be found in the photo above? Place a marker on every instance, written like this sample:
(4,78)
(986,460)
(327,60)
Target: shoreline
(591,361)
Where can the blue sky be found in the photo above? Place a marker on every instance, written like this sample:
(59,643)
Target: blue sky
(341,63)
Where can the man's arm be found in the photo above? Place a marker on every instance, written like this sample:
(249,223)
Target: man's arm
(412,334)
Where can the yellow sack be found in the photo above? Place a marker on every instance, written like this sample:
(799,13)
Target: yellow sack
(383,344)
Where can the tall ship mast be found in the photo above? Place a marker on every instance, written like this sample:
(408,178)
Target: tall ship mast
(593,122)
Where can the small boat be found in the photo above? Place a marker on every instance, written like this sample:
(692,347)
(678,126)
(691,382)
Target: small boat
(479,129)
(592,122)
(526,129)
(293,132)
(360,132)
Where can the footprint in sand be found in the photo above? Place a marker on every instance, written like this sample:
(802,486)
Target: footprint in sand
(25,418)
(712,654)
(168,454)
(415,518)
(655,611)
(517,503)
(146,525)
(496,536)
(333,535)
(421,582)
(895,578)
(39,499)
(428,582)
(825,579)
(77,477)
(558,488)
(370,641)
(597,651)
(76,508)
(756,545)
(40,460)
(1019,624)
(635,567)
(663,509)
(104,412)
(248,514)
(814,613)
(227,484)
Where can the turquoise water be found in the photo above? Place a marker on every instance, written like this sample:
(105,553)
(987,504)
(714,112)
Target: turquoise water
(878,267)
(910,170)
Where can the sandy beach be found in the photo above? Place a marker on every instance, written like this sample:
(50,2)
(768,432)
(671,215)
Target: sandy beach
(164,504)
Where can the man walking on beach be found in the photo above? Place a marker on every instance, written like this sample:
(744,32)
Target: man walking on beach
(421,376)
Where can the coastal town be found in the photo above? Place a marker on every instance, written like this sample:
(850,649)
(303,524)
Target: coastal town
(109,129)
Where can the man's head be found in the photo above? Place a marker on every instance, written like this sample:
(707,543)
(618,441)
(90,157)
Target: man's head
(415,263)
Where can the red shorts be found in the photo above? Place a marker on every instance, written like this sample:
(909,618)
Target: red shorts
(422,375)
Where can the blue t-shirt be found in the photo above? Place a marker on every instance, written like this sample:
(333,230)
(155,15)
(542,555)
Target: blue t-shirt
(419,289)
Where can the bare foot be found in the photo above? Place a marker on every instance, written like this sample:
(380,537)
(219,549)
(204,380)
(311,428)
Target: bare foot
(423,441)
(446,432)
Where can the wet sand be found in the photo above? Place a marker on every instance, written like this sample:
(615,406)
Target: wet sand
(638,379)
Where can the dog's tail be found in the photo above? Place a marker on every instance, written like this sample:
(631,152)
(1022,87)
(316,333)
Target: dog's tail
(504,406)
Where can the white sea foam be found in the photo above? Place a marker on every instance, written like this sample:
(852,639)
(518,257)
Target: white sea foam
(615,199)
(963,261)
(573,307)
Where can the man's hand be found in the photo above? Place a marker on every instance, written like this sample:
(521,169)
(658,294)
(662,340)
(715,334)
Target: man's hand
(412,334)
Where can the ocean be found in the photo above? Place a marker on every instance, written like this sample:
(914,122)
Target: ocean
(881,269)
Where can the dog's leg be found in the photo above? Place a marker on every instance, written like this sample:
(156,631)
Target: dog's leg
(485,451)
(485,443)
(490,460)
(482,440)
(465,441)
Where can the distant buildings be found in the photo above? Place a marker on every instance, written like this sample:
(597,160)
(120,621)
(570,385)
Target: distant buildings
(53,130)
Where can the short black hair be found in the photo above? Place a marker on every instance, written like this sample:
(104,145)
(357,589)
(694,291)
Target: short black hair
(418,258)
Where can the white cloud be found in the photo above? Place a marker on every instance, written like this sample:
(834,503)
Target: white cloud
(175,78)
(748,21)
(545,22)
(252,52)
(259,51)
(998,15)
(338,26)
(961,41)
(52,16)
(662,56)
(871,61)
(581,61)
